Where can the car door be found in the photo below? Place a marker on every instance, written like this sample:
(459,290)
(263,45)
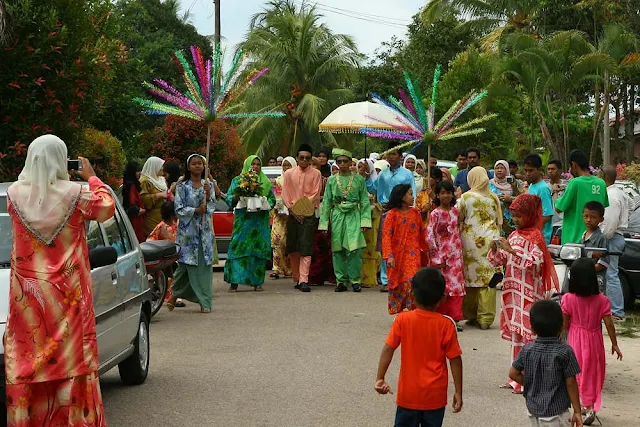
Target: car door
(130,271)
(106,298)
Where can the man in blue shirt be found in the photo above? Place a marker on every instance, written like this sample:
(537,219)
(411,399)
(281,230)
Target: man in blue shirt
(394,175)
(473,160)
(533,175)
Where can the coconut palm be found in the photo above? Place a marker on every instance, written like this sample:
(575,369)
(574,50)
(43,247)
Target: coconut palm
(552,74)
(494,18)
(311,68)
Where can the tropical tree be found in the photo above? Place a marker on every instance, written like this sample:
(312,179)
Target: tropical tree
(494,18)
(311,68)
(552,74)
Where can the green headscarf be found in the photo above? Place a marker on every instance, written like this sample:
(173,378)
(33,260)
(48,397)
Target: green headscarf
(265,187)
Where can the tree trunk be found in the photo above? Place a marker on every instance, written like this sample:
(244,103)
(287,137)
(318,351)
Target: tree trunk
(596,126)
(556,151)
(558,139)
(606,130)
(565,133)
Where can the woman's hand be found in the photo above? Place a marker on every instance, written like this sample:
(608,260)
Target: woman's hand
(141,212)
(87,170)
(391,262)
(504,244)
(202,209)
(506,198)
(161,195)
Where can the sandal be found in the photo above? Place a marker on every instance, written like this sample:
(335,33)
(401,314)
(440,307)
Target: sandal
(170,306)
(274,276)
(205,310)
(506,387)
(258,289)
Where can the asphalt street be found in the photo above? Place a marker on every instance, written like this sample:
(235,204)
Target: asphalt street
(287,359)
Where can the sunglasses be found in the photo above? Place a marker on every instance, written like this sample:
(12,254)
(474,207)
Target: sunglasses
(304,157)
(342,161)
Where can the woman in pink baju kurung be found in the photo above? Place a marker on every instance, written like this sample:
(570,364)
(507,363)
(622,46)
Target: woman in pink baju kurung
(51,353)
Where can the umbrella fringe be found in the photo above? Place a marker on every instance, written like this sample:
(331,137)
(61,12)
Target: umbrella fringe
(352,128)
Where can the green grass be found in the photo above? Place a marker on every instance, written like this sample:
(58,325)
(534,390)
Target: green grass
(630,328)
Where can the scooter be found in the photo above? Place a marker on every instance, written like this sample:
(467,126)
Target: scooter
(564,256)
(160,257)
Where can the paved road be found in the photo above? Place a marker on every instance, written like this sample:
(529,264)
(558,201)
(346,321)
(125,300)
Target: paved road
(283,358)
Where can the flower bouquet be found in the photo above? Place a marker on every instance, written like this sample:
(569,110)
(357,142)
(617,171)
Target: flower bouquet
(248,190)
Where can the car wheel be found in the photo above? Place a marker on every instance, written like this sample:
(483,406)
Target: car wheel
(158,291)
(135,368)
(627,292)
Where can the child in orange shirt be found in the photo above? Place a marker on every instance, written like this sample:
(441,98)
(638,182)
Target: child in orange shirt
(428,339)
(166,229)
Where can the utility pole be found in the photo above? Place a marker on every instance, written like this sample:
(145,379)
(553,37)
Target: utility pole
(216,39)
(216,4)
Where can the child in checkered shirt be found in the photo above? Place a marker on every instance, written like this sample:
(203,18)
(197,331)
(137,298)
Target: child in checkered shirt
(547,369)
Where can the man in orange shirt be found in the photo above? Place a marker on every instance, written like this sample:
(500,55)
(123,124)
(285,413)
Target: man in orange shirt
(428,339)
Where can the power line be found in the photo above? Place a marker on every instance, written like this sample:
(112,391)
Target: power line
(370,15)
(375,19)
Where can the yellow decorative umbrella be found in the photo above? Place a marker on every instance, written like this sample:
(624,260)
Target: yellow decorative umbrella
(351,118)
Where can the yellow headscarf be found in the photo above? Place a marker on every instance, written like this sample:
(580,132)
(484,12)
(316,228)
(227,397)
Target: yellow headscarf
(478,181)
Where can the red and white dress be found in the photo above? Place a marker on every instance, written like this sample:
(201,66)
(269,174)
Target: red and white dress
(523,285)
(51,354)
(445,252)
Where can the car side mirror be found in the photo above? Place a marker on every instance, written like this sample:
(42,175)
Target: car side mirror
(103,256)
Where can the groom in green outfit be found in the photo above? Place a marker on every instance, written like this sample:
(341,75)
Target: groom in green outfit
(346,207)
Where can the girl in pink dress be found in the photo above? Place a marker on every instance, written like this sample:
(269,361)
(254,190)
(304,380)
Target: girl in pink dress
(445,249)
(584,308)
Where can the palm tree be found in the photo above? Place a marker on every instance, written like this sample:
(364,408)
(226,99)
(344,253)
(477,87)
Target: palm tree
(495,18)
(552,74)
(311,68)
(621,46)
(3,22)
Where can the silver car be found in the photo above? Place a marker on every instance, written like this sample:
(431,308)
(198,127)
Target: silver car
(121,295)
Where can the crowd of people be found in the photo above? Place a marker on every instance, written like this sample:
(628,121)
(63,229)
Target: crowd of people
(436,241)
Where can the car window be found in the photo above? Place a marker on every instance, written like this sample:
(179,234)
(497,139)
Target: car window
(221,206)
(95,239)
(117,234)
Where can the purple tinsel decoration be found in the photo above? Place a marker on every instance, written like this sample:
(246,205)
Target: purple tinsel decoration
(377,133)
(407,102)
(207,91)
(259,74)
(178,102)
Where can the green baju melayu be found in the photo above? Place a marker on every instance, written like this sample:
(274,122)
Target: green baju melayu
(346,207)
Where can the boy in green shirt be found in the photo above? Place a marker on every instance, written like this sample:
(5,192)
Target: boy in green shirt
(582,189)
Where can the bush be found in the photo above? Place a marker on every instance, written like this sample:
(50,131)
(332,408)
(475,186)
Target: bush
(104,151)
(179,137)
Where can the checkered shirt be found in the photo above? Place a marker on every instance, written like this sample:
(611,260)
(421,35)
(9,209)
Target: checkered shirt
(547,363)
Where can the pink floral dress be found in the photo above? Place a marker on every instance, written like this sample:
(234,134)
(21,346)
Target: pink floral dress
(51,354)
(445,248)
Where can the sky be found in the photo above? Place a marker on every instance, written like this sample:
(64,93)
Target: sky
(389,18)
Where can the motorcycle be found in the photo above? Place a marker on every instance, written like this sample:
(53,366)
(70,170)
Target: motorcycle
(564,256)
(160,257)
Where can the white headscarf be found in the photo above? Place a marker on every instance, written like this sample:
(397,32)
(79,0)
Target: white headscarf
(43,197)
(410,156)
(151,171)
(381,164)
(292,162)
(374,156)
(372,170)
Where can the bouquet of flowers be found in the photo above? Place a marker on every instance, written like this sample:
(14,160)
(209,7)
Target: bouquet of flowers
(249,185)
(248,190)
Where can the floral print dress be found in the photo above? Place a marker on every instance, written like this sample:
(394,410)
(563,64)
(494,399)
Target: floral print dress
(51,353)
(281,262)
(479,228)
(445,248)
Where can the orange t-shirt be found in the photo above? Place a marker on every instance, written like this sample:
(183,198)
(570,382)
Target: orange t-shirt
(428,339)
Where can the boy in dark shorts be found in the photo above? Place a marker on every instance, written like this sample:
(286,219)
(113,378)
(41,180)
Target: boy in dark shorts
(550,368)
(428,339)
